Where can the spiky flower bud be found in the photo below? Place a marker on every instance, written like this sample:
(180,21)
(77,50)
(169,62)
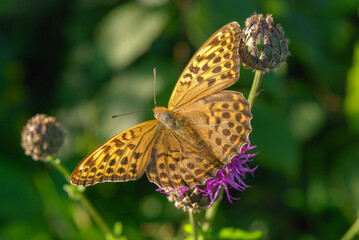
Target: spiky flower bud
(263,45)
(42,136)
(188,199)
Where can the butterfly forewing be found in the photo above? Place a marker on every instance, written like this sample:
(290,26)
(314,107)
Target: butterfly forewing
(122,158)
(213,67)
(223,119)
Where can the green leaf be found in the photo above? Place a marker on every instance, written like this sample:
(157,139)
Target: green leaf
(187,228)
(352,95)
(117,229)
(271,133)
(237,233)
(128,31)
(307,119)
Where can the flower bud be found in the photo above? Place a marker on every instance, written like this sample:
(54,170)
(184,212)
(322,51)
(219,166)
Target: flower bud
(263,45)
(42,136)
(192,198)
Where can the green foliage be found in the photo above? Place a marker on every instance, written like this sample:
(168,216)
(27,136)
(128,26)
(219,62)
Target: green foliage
(227,233)
(128,31)
(352,96)
(238,234)
(83,61)
(187,228)
(272,132)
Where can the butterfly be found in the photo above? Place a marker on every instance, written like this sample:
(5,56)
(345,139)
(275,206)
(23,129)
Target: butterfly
(197,135)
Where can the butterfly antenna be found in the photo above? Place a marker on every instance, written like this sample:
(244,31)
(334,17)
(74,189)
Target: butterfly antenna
(120,115)
(154,88)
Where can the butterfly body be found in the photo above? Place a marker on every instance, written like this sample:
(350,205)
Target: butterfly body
(197,135)
(181,128)
(168,118)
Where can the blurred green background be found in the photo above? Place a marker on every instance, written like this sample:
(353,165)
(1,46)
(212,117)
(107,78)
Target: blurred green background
(83,61)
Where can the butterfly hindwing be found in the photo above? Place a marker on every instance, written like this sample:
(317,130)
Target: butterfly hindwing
(223,119)
(213,67)
(122,158)
(174,163)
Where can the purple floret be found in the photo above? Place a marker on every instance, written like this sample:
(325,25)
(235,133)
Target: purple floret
(232,174)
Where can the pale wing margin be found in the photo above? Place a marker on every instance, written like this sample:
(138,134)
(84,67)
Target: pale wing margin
(122,158)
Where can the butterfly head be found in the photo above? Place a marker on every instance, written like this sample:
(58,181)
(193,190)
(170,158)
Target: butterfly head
(167,118)
(160,113)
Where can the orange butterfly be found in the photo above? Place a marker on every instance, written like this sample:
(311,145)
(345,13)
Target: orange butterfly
(197,135)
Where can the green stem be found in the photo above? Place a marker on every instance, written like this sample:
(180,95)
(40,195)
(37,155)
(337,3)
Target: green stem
(193,223)
(96,216)
(211,213)
(352,231)
(57,164)
(255,86)
(84,200)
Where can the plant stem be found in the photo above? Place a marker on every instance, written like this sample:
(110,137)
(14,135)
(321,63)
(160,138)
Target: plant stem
(255,86)
(96,216)
(57,164)
(84,200)
(352,231)
(211,213)
(193,223)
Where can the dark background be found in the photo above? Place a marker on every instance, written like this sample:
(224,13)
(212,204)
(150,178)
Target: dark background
(83,61)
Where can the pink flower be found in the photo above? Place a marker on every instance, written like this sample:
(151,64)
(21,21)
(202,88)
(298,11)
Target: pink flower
(232,174)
